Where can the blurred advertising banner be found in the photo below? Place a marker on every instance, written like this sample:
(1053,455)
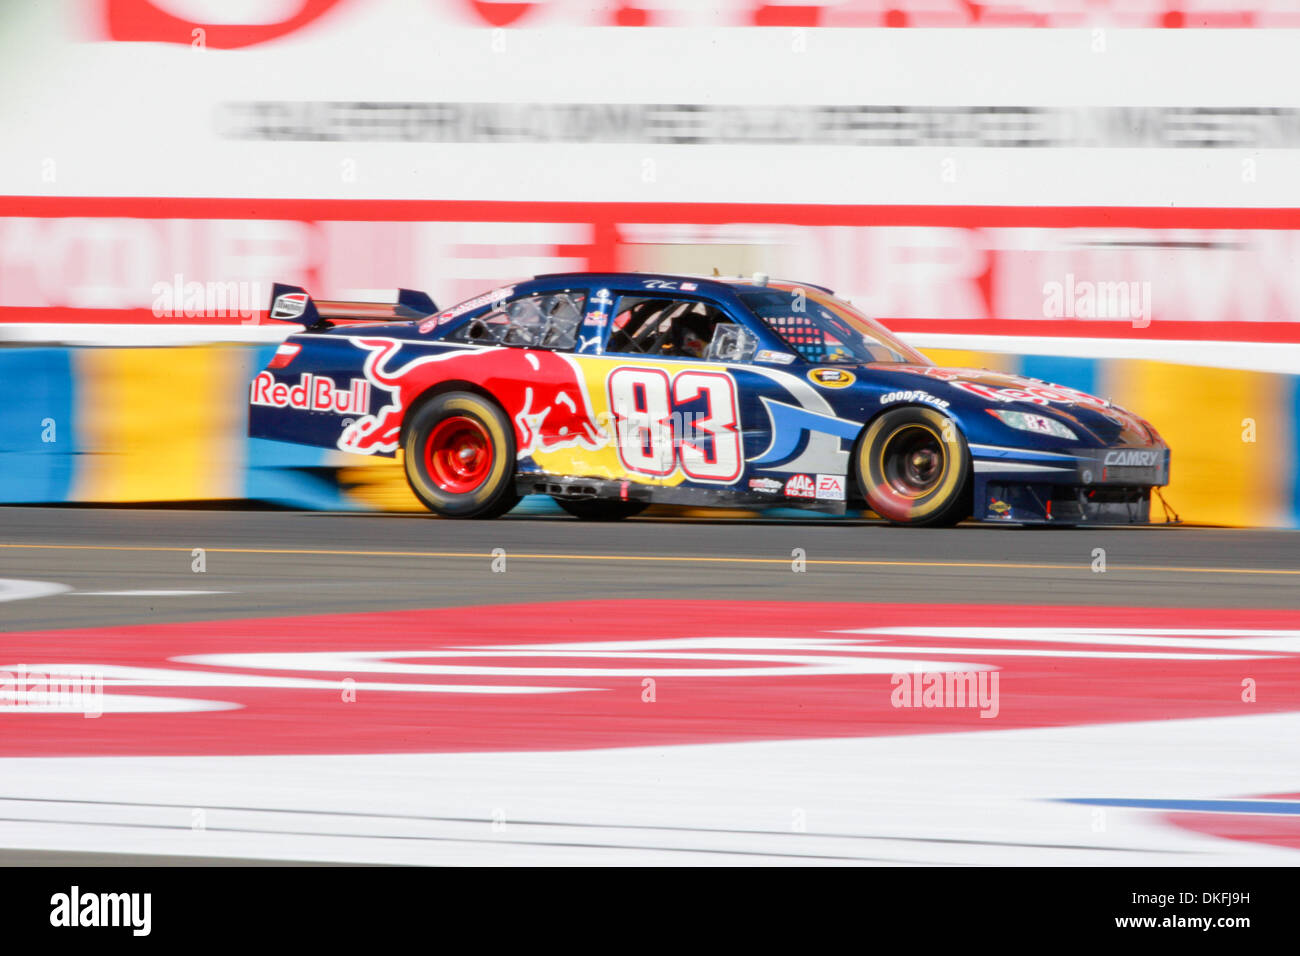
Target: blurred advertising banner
(1196,274)
(241,24)
(165,160)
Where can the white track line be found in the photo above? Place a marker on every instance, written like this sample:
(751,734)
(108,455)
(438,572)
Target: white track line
(177,593)
(975,798)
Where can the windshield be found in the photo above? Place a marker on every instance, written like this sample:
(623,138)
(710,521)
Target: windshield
(826,330)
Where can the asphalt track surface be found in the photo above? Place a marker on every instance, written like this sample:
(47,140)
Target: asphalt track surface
(274,564)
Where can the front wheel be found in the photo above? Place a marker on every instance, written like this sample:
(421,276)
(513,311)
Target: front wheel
(914,468)
(460,456)
(601,509)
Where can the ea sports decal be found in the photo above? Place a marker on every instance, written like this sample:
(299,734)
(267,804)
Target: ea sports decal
(830,488)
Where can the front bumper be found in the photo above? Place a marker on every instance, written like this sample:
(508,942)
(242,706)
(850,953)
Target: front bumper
(1098,486)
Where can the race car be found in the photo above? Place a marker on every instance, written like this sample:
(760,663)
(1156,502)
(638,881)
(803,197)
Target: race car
(613,391)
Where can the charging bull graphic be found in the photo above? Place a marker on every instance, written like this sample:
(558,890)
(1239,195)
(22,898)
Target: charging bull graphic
(541,391)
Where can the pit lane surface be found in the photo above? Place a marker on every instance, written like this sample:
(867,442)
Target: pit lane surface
(976,796)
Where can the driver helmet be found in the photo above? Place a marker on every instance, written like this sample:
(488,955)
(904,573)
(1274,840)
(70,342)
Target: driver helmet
(694,335)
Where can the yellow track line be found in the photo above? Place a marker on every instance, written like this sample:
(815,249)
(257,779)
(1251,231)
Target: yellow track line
(681,559)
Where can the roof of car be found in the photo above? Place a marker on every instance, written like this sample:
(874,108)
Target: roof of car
(728,281)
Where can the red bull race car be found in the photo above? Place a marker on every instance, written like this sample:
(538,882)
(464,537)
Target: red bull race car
(613,391)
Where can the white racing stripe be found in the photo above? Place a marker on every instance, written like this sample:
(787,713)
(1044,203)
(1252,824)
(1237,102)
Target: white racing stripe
(997,464)
(1254,642)
(16,589)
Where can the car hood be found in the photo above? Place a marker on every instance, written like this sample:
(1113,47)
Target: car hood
(970,388)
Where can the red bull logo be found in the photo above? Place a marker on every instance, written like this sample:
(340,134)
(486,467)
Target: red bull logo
(541,391)
(1037,394)
(315,393)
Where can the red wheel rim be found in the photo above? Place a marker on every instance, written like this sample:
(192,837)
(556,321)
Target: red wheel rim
(458,454)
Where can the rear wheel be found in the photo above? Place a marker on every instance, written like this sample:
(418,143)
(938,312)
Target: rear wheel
(914,468)
(460,456)
(601,509)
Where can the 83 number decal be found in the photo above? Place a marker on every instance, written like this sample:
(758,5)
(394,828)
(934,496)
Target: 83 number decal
(689,421)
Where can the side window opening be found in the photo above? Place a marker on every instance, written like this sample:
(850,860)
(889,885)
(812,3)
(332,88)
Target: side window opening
(547,320)
(680,328)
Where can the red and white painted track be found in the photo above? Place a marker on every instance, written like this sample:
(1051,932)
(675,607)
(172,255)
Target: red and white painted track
(674,728)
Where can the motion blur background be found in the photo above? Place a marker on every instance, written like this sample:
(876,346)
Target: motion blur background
(1101,193)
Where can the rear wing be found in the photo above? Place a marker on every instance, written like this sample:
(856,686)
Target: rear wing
(289,303)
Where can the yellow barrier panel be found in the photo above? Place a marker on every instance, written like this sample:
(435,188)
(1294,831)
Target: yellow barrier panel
(961,358)
(1218,475)
(158,424)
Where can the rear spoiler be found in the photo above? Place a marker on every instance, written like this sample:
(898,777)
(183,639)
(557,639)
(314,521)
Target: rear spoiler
(289,303)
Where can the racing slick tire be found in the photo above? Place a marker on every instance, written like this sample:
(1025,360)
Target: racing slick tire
(459,451)
(601,509)
(914,468)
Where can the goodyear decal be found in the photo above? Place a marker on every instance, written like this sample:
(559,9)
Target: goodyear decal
(911,395)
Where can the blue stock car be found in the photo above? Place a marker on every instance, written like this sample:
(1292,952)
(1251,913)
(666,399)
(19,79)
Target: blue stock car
(612,391)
